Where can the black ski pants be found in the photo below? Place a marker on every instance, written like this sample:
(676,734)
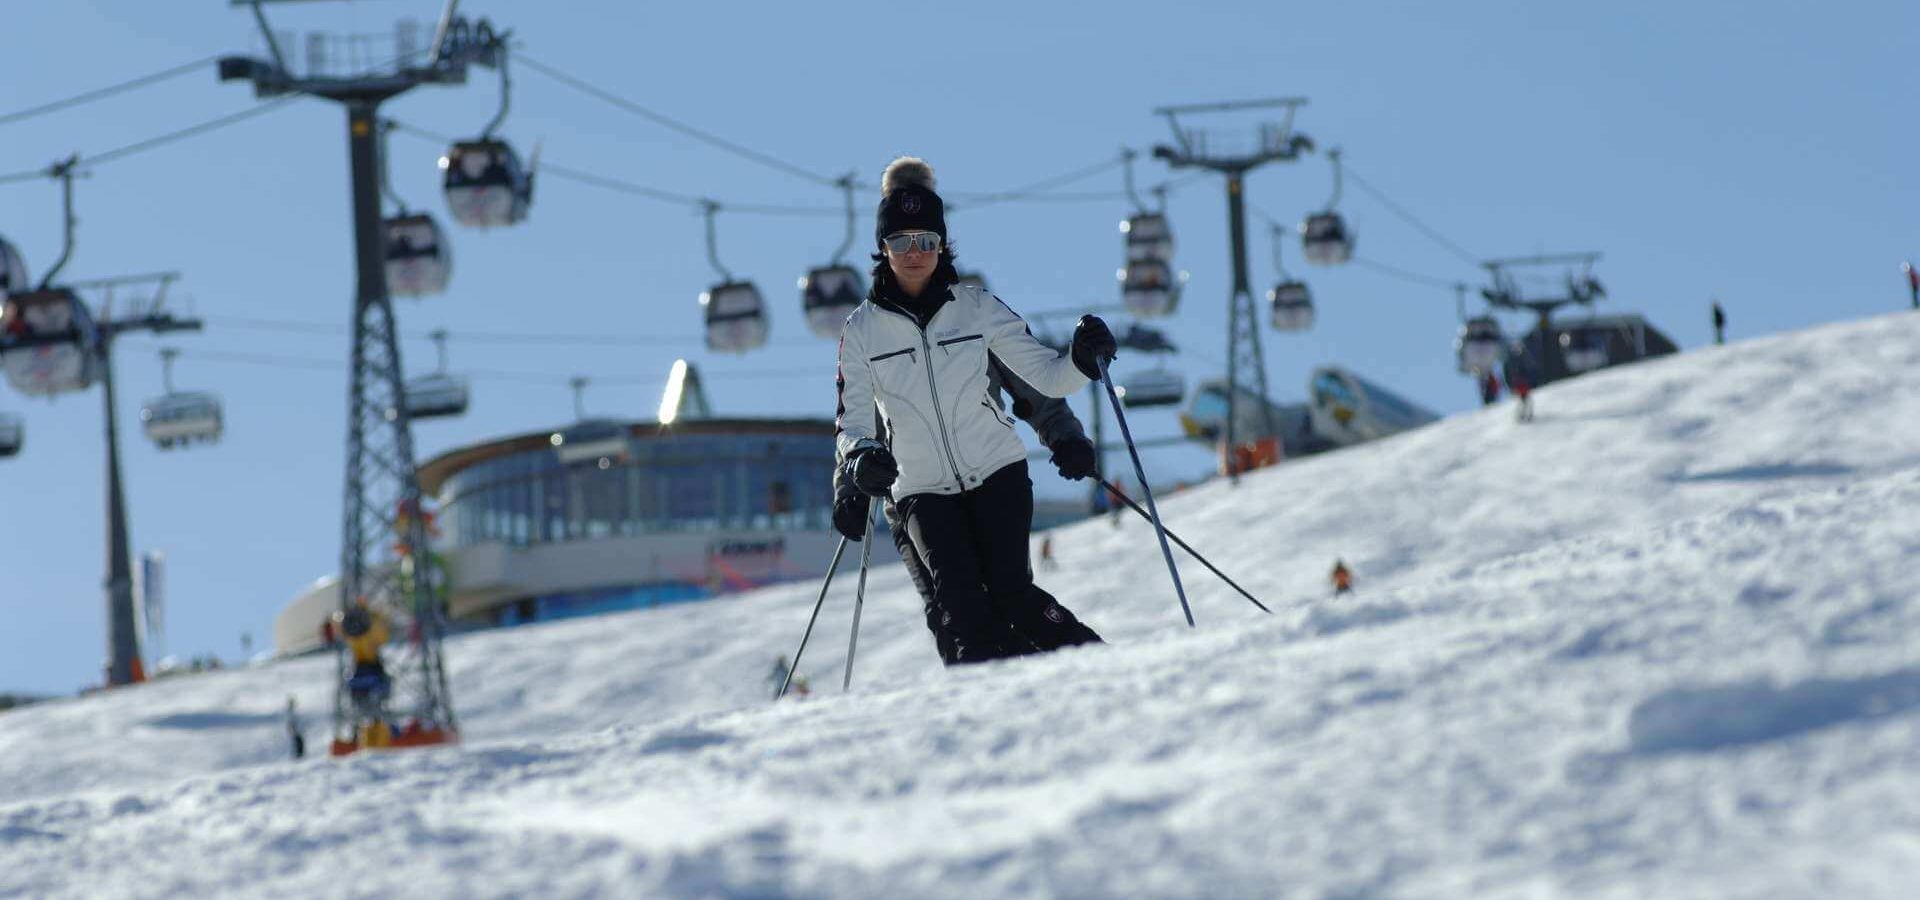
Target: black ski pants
(967,555)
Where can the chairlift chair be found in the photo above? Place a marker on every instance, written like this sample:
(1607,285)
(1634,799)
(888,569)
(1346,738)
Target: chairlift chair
(13,434)
(1147,286)
(485,184)
(419,259)
(592,440)
(13,270)
(1153,387)
(1325,240)
(1292,306)
(68,362)
(1584,350)
(436,395)
(180,417)
(1148,237)
(736,317)
(829,294)
(1479,345)
(1324,236)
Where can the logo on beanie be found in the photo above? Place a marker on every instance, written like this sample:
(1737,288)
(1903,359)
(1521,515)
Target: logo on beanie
(910,204)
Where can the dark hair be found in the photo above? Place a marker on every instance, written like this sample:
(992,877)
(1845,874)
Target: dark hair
(944,275)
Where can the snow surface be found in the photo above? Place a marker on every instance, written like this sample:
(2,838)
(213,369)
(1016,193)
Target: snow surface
(1659,642)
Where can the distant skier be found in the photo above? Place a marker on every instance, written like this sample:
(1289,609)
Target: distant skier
(1719,323)
(1522,388)
(366,630)
(1489,388)
(914,424)
(1342,578)
(1046,553)
(294,737)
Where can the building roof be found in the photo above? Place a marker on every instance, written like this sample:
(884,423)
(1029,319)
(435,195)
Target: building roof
(434,472)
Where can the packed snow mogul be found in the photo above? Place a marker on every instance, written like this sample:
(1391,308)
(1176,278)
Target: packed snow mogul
(1058,428)
(918,425)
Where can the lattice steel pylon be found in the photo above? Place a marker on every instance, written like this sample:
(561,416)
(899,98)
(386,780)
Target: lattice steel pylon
(1246,362)
(388,572)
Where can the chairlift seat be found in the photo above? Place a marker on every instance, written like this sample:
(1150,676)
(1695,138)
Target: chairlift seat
(1324,239)
(592,440)
(419,260)
(182,416)
(1148,237)
(66,364)
(829,294)
(1292,306)
(736,317)
(436,396)
(1147,287)
(1480,345)
(485,184)
(1153,387)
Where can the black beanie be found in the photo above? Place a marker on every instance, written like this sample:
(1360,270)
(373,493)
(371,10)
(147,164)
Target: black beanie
(910,208)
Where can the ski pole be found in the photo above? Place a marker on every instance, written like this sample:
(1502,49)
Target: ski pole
(1153,511)
(860,595)
(810,619)
(1183,544)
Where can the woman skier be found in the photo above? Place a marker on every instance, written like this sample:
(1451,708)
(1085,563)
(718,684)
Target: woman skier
(1059,429)
(917,425)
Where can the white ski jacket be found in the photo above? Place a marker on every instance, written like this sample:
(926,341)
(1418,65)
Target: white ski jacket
(930,392)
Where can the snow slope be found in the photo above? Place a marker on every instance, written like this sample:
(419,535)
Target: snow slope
(1656,643)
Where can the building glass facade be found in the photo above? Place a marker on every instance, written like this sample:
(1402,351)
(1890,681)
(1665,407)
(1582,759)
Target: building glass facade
(668,482)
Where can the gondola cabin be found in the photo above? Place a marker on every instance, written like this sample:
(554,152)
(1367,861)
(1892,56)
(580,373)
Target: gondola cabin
(1292,306)
(13,434)
(592,440)
(182,417)
(1480,345)
(1584,350)
(736,317)
(1148,237)
(13,270)
(1153,387)
(53,340)
(829,294)
(1146,285)
(436,396)
(485,184)
(1325,239)
(419,259)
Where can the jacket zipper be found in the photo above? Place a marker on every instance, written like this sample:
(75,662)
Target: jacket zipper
(939,416)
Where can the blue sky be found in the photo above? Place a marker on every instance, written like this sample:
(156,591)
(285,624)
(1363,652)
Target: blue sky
(1746,151)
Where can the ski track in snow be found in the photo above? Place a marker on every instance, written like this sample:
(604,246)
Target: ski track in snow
(1656,643)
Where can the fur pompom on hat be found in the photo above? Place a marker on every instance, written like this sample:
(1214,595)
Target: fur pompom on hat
(907,200)
(904,171)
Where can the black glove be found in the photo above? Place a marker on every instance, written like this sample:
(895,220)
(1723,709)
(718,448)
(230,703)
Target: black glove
(1074,458)
(1092,341)
(850,515)
(874,471)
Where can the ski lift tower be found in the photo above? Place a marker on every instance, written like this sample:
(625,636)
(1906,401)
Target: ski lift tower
(1195,148)
(1581,288)
(96,344)
(385,556)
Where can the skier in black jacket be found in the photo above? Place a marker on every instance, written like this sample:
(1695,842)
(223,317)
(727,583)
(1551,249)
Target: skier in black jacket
(1058,428)
(917,422)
